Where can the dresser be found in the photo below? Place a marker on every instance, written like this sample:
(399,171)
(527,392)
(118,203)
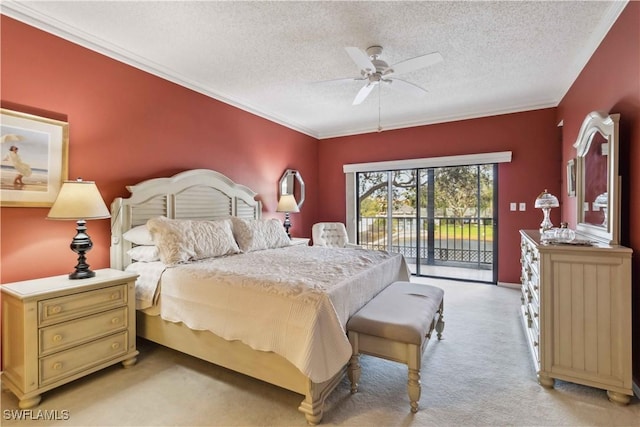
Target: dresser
(576,310)
(55,330)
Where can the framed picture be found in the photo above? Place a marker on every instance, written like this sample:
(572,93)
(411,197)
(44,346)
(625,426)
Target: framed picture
(571,178)
(34,156)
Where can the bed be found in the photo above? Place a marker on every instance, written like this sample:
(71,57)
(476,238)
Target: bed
(275,313)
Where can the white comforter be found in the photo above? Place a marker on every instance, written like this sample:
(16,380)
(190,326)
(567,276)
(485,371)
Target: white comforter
(294,301)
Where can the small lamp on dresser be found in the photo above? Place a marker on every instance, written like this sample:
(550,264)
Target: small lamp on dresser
(287,204)
(79,200)
(546,201)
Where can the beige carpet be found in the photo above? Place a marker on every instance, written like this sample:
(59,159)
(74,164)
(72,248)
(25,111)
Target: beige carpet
(480,374)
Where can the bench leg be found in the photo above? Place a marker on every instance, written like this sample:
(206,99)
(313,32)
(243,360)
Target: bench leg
(353,369)
(440,323)
(414,388)
(353,372)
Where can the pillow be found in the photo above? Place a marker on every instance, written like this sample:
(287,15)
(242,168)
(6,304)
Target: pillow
(139,235)
(184,240)
(258,234)
(144,253)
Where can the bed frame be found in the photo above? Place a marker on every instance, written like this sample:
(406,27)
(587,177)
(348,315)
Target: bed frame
(207,194)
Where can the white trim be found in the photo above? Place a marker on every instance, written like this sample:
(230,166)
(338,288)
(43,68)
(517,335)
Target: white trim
(516,286)
(431,162)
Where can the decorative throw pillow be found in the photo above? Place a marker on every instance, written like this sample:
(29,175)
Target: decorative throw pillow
(144,253)
(184,240)
(139,235)
(258,234)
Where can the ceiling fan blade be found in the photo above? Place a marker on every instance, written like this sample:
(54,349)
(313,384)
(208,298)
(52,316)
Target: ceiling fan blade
(363,93)
(406,87)
(361,59)
(341,80)
(416,63)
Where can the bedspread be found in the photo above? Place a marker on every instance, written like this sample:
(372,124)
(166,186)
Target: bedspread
(294,301)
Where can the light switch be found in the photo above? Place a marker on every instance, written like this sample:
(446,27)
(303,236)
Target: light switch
(523,206)
(512,206)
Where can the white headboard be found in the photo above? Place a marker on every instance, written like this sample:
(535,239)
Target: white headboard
(193,194)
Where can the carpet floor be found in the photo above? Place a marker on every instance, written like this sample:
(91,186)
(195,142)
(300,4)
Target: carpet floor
(480,374)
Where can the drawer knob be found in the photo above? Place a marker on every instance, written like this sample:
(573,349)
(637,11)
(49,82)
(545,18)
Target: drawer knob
(115,295)
(115,345)
(56,309)
(57,338)
(115,320)
(57,366)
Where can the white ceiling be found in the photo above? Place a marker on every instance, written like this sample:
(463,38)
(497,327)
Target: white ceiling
(266,57)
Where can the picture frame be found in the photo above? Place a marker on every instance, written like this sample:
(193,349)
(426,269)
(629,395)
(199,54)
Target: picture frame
(571,178)
(34,159)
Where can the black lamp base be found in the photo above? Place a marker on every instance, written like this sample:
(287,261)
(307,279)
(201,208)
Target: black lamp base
(287,223)
(81,244)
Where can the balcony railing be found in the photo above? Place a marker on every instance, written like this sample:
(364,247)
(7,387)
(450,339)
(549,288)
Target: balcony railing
(443,240)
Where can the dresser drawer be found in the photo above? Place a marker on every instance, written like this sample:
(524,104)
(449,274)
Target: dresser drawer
(534,287)
(69,307)
(78,359)
(74,332)
(533,315)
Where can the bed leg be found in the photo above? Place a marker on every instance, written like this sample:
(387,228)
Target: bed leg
(313,404)
(313,411)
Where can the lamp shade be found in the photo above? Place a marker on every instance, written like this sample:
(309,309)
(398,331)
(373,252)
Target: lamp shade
(546,200)
(287,203)
(602,200)
(79,200)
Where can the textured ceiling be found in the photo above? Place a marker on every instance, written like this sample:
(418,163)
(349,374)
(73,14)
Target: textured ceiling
(266,57)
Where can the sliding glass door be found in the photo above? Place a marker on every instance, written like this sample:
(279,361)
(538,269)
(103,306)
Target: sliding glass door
(442,219)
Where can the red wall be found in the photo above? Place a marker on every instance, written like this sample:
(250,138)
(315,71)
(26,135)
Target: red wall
(532,137)
(610,82)
(125,126)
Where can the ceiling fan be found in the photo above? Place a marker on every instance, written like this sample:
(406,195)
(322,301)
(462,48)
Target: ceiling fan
(374,71)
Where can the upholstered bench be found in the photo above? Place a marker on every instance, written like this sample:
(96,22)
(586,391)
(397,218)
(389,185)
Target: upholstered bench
(397,325)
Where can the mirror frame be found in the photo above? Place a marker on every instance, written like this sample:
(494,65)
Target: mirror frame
(287,184)
(607,126)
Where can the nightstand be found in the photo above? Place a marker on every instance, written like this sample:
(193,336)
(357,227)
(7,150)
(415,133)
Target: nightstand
(300,241)
(56,330)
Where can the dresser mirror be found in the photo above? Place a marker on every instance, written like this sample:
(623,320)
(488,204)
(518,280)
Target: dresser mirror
(597,181)
(292,183)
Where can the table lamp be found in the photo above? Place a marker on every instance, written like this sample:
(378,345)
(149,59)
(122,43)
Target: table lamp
(287,204)
(546,201)
(79,200)
(602,201)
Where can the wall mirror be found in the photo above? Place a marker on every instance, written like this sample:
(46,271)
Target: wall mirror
(292,183)
(597,180)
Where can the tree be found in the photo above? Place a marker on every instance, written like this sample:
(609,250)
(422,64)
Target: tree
(456,189)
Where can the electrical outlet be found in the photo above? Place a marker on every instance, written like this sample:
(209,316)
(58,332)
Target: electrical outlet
(512,206)
(523,206)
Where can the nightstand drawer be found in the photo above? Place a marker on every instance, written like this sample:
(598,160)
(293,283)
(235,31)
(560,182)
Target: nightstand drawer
(68,307)
(64,335)
(78,359)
